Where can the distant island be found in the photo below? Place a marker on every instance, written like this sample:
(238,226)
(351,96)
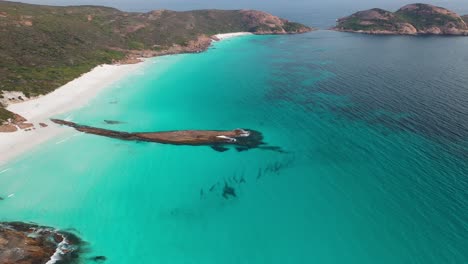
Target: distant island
(44,47)
(413,19)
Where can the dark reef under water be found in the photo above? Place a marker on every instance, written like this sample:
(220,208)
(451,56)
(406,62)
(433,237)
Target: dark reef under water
(234,182)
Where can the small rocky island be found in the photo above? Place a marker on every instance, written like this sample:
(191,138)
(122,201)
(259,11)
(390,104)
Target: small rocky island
(413,19)
(22,243)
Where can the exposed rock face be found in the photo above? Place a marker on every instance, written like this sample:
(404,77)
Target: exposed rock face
(15,123)
(22,243)
(8,128)
(202,43)
(414,19)
(263,23)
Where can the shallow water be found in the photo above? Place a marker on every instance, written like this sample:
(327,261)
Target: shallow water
(375,131)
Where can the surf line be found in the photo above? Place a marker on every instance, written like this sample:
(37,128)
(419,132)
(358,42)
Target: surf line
(5,170)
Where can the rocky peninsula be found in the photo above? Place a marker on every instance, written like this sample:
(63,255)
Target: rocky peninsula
(413,19)
(217,139)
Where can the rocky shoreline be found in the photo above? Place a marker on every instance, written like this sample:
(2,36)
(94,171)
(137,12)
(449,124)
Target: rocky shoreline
(396,33)
(24,243)
(273,25)
(17,123)
(201,44)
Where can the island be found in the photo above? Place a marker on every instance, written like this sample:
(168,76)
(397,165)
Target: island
(45,47)
(413,19)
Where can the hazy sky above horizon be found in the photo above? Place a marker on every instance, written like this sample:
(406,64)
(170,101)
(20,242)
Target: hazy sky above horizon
(143,5)
(315,12)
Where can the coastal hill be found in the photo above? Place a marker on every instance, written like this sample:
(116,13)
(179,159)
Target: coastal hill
(413,19)
(44,47)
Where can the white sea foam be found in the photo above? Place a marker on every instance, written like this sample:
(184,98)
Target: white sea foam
(79,134)
(5,170)
(61,141)
(58,252)
(231,35)
(230,139)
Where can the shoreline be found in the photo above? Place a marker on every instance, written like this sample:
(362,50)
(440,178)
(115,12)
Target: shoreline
(73,95)
(395,33)
(219,37)
(68,97)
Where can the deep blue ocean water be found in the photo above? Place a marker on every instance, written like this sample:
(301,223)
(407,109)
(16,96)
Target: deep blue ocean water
(375,134)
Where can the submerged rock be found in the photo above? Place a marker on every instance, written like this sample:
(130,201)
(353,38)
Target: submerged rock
(23,243)
(112,122)
(219,148)
(228,191)
(98,259)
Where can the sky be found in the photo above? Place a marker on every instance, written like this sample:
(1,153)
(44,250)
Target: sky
(319,13)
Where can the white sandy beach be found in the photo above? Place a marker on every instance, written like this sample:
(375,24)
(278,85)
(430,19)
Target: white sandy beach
(231,35)
(72,95)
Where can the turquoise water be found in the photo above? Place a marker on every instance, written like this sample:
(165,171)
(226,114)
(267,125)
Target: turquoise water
(373,171)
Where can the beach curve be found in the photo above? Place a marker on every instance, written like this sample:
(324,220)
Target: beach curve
(68,97)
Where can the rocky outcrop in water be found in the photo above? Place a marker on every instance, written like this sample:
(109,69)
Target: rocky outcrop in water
(217,139)
(22,243)
(414,19)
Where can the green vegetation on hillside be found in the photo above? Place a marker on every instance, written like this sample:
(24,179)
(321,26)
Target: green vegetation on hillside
(292,26)
(465,18)
(5,114)
(424,17)
(44,47)
(355,22)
